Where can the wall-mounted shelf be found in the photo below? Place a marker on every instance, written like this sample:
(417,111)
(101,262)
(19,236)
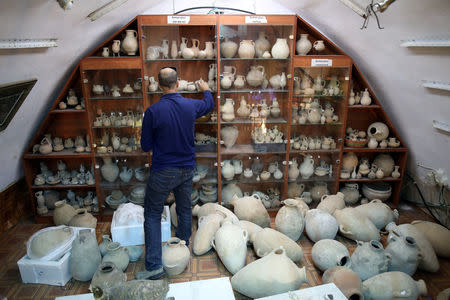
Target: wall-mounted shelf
(426,42)
(436,85)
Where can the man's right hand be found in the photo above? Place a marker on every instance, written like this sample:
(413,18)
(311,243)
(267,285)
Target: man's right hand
(202,85)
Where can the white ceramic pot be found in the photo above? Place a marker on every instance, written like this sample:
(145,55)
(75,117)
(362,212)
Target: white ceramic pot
(329,203)
(229,135)
(228,48)
(262,44)
(207,227)
(437,235)
(175,256)
(246,49)
(355,226)
(379,213)
(250,208)
(280,49)
(268,239)
(130,43)
(378,130)
(229,191)
(303,45)
(320,225)
(328,253)
(251,229)
(289,219)
(255,76)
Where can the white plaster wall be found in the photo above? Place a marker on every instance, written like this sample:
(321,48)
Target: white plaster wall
(394,72)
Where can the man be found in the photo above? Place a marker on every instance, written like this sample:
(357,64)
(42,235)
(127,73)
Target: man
(168,130)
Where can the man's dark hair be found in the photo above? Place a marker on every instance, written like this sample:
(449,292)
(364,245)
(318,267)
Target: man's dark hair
(168,77)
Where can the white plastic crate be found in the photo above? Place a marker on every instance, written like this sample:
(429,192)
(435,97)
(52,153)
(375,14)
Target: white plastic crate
(47,272)
(134,234)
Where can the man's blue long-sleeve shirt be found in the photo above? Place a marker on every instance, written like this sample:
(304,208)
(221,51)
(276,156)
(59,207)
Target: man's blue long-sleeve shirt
(168,129)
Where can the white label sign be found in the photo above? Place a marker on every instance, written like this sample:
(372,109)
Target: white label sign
(321,62)
(255,19)
(178,19)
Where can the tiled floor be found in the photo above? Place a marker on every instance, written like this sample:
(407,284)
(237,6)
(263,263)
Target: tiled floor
(12,248)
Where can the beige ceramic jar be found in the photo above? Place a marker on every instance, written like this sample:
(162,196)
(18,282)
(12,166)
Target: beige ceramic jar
(175,256)
(63,213)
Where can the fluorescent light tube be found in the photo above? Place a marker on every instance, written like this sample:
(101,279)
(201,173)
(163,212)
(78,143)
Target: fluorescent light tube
(105,9)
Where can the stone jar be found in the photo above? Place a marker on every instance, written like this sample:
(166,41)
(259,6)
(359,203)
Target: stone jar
(404,253)
(130,43)
(303,45)
(273,274)
(346,280)
(355,226)
(85,256)
(207,227)
(437,235)
(329,203)
(268,239)
(251,208)
(109,170)
(134,252)
(393,285)
(229,191)
(289,219)
(228,48)
(320,225)
(429,261)
(328,253)
(318,190)
(369,259)
(378,212)
(107,276)
(230,243)
(262,44)
(246,49)
(106,240)
(63,213)
(175,256)
(118,255)
(280,49)
(251,229)
(83,219)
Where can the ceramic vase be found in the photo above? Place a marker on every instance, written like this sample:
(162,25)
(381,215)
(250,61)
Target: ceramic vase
(289,219)
(117,255)
(328,253)
(109,170)
(130,43)
(106,240)
(393,285)
(355,226)
(378,212)
(346,280)
(212,208)
(405,255)
(270,275)
(320,225)
(280,49)
(107,276)
(429,261)
(175,256)
(83,219)
(303,45)
(251,229)
(268,239)
(229,191)
(228,48)
(63,213)
(329,203)
(246,49)
(229,135)
(351,193)
(319,190)
(437,235)
(369,259)
(207,227)
(262,44)
(85,256)
(230,243)
(251,208)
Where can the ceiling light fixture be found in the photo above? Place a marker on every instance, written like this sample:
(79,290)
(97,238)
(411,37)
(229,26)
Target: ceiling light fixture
(65,4)
(105,9)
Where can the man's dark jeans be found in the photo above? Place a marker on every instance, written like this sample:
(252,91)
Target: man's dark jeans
(159,185)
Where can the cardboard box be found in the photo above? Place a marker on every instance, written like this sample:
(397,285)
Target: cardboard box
(134,234)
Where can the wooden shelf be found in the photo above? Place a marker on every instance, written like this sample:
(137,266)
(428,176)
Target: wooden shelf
(370,180)
(399,149)
(121,154)
(67,111)
(245,149)
(115,127)
(115,98)
(253,91)
(61,154)
(315,178)
(244,180)
(258,120)
(364,107)
(320,97)
(62,186)
(319,124)
(178,59)
(319,151)
(256,58)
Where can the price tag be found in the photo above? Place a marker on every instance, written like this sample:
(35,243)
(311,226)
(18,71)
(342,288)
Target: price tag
(178,19)
(321,62)
(255,19)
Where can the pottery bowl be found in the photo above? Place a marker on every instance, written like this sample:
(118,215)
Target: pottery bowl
(377,190)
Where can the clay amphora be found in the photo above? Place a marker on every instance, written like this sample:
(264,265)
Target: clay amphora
(174,50)
(63,213)
(303,45)
(85,256)
(268,239)
(355,226)
(320,225)
(405,255)
(262,44)
(429,262)
(369,259)
(230,243)
(117,255)
(251,208)
(255,76)
(280,49)
(289,219)
(83,219)
(107,276)
(328,253)
(270,275)
(228,48)
(251,229)
(437,235)
(212,208)
(329,203)
(209,50)
(106,240)
(175,256)
(109,170)
(346,280)
(207,227)
(379,213)
(246,49)
(130,43)
(229,191)
(393,285)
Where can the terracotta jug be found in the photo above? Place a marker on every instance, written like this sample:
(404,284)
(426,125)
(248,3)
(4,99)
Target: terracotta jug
(346,280)
(207,227)
(405,254)
(256,76)
(393,285)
